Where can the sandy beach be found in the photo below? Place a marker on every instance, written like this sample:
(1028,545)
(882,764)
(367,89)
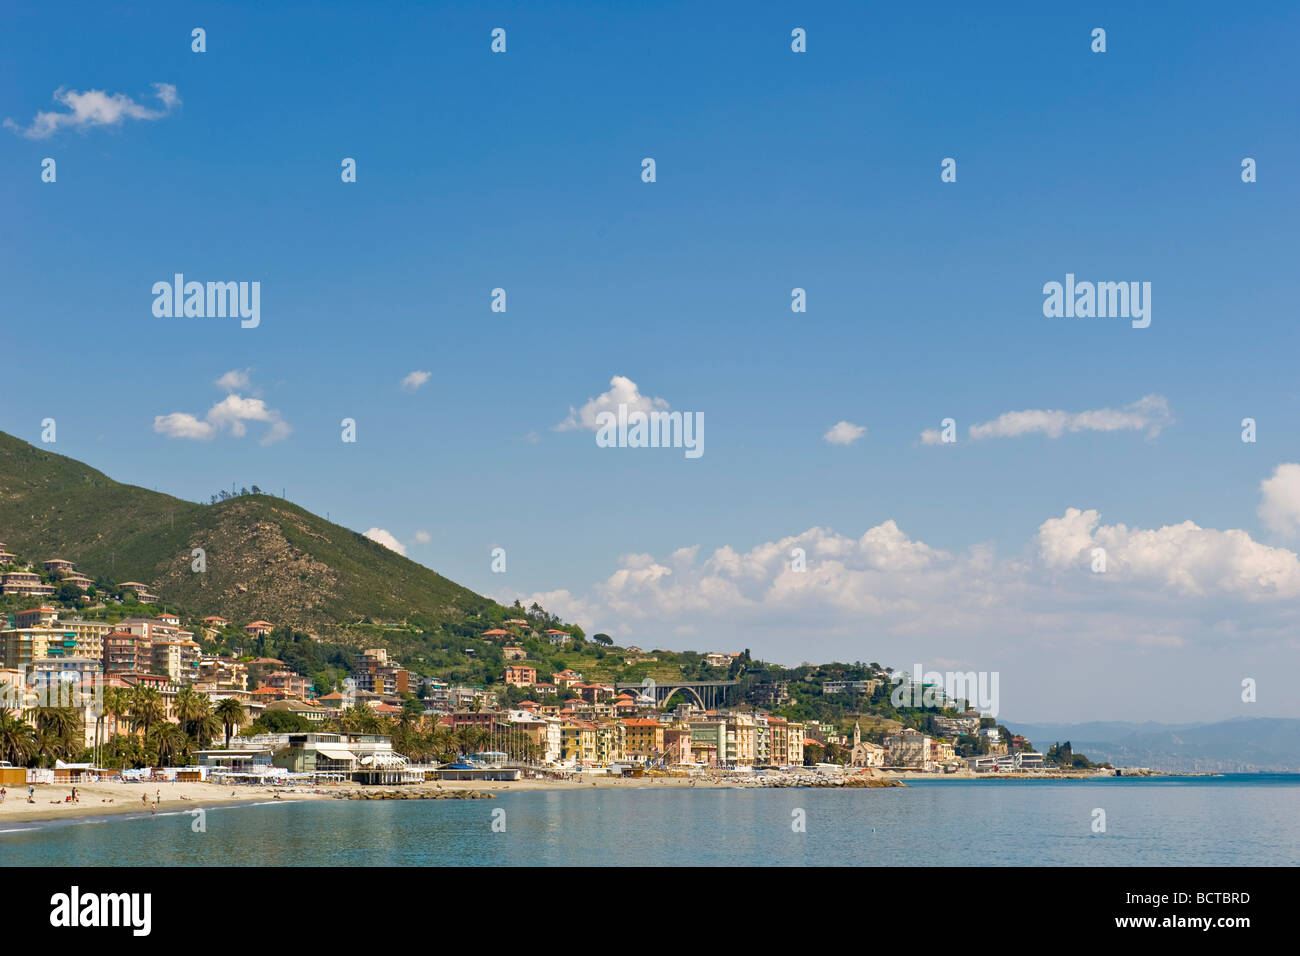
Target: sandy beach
(103,799)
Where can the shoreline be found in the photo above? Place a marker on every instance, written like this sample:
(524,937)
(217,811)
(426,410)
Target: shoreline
(111,799)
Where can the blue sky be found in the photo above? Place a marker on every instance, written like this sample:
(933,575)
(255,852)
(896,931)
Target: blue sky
(775,170)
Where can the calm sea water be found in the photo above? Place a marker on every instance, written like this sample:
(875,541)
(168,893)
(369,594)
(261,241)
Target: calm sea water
(1238,819)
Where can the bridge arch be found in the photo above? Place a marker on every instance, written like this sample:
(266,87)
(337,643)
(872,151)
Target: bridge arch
(669,690)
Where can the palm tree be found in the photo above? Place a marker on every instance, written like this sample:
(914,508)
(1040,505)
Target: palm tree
(117,702)
(470,739)
(360,719)
(147,708)
(442,742)
(206,724)
(169,741)
(18,742)
(186,706)
(231,714)
(58,730)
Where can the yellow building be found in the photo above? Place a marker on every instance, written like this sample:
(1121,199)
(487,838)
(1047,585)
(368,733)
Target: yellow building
(741,740)
(20,646)
(611,741)
(578,742)
(645,738)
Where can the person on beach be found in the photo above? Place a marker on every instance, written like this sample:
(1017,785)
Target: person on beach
(144,798)
(3,794)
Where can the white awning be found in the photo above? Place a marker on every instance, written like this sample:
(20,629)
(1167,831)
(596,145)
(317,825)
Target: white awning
(347,755)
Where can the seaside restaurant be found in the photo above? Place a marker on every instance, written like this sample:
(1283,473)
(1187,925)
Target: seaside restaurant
(250,760)
(361,758)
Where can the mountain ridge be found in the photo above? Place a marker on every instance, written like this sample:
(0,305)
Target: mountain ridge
(264,556)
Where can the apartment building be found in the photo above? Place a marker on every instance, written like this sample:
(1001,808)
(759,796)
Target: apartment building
(20,647)
(645,738)
(374,672)
(127,653)
(520,675)
(909,748)
(26,583)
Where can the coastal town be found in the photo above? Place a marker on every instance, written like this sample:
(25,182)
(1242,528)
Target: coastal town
(94,691)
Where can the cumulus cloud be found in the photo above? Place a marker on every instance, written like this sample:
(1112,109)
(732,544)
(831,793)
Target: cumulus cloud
(1183,559)
(1279,507)
(844,433)
(1149,414)
(387,540)
(231,414)
(423,537)
(415,380)
(1161,590)
(183,425)
(235,380)
(622,391)
(95,108)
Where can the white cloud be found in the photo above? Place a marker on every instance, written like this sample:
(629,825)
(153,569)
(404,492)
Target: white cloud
(1154,594)
(1279,508)
(622,391)
(183,425)
(1183,559)
(415,380)
(387,540)
(235,380)
(230,414)
(423,537)
(1149,414)
(95,108)
(844,433)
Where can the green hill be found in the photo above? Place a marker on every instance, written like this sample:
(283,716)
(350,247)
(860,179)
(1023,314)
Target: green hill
(266,557)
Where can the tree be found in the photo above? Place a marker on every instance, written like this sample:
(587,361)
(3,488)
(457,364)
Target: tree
(169,742)
(604,639)
(18,744)
(231,714)
(58,732)
(281,722)
(117,703)
(187,707)
(360,719)
(206,726)
(147,708)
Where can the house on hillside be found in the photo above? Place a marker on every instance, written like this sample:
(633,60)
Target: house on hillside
(520,675)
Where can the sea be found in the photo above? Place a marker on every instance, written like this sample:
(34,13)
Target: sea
(1235,819)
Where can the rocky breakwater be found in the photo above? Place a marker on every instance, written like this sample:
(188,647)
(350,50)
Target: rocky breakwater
(414,795)
(851,781)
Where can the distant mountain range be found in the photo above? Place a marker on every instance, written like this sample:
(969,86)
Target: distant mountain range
(266,557)
(1240,745)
